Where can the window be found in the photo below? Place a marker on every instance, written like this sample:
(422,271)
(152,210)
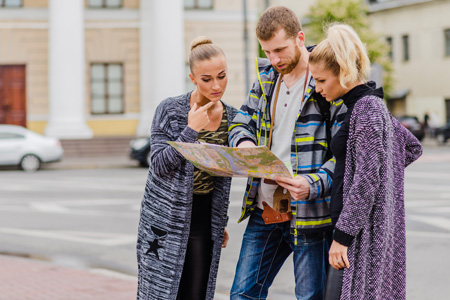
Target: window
(389,42)
(11,3)
(405,40)
(447,109)
(10,135)
(105,3)
(447,42)
(198,4)
(107,88)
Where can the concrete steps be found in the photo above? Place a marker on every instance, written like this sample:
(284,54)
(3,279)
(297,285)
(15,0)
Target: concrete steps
(97,146)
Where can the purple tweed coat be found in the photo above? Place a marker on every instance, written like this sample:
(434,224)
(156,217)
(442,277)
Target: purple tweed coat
(378,150)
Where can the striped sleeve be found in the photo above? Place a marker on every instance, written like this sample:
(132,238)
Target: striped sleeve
(164,158)
(244,124)
(320,182)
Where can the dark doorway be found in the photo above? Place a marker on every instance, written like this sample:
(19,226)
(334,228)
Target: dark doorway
(13,95)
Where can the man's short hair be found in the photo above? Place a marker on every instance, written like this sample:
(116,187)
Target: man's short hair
(275,18)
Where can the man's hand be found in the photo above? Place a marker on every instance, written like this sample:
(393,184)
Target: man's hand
(298,187)
(337,256)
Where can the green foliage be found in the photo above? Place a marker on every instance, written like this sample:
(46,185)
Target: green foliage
(354,13)
(261,53)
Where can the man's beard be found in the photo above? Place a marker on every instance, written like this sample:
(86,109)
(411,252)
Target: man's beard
(290,64)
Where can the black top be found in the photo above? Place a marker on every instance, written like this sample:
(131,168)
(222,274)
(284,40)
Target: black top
(339,144)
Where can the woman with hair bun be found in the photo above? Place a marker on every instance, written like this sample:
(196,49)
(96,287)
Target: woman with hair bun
(184,210)
(367,255)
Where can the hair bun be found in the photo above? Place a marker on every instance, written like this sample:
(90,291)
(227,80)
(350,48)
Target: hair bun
(200,40)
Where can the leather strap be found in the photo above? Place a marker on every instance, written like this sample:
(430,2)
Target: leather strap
(271,216)
(274,109)
(266,180)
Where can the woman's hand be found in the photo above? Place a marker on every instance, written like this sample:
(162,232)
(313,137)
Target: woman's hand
(226,237)
(246,144)
(198,117)
(337,256)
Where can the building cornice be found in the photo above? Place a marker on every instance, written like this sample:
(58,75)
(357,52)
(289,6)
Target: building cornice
(392,4)
(37,18)
(218,16)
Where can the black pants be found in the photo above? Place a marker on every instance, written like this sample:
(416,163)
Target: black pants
(194,279)
(334,284)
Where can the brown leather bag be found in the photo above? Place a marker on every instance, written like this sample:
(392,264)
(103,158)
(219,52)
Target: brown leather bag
(281,211)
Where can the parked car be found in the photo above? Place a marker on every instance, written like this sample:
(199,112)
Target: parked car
(442,133)
(27,149)
(140,150)
(413,125)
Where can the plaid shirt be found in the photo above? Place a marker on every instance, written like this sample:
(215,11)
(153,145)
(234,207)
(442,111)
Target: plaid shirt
(308,147)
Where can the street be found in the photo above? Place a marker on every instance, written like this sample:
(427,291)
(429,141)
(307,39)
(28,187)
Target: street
(87,218)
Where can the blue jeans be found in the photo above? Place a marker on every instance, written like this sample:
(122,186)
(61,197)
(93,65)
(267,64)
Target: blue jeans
(264,250)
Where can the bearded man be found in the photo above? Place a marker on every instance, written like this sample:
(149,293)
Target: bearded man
(283,112)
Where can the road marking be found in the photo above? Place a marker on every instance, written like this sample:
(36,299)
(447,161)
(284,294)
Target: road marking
(7,207)
(63,184)
(96,202)
(427,187)
(436,221)
(434,210)
(422,175)
(96,238)
(428,234)
(73,207)
(427,203)
(49,207)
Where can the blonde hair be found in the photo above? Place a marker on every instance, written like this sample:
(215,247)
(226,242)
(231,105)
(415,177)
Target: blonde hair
(344,54)
(202,48)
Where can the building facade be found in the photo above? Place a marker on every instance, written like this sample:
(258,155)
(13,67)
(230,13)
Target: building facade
(419,34)
(86,68)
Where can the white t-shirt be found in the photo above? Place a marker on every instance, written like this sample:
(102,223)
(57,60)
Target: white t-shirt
(288,107)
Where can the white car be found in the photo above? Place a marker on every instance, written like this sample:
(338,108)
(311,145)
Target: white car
(27,149)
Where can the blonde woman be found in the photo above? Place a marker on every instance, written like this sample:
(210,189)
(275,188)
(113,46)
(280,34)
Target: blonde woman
(372,150)
(184,210)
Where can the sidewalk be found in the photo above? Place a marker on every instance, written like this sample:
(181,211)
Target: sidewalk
(28,279)
(31,279)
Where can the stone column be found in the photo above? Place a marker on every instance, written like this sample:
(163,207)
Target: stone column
(162,64)
(66,74)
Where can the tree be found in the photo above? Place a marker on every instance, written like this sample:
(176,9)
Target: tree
(355,14)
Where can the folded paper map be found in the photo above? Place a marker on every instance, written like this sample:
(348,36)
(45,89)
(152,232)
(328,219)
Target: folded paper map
(219,160)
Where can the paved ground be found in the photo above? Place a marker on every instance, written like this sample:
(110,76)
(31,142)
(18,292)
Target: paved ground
(30,279)
(27,278)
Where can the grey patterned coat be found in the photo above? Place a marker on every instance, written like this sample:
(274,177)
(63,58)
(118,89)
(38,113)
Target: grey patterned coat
(378,150)
(167,204)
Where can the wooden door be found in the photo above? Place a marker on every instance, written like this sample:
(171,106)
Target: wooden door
(13,95)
